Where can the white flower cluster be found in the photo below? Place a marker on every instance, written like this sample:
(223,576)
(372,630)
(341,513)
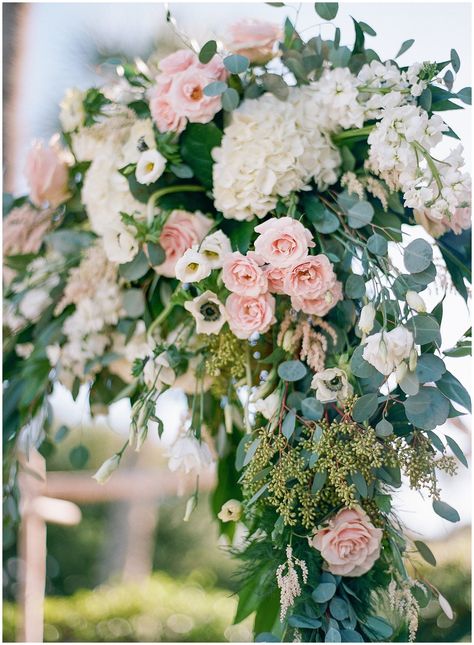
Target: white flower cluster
(268,152)
(98,300)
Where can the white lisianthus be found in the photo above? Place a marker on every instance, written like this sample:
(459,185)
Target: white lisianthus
(107,469)
(141,138)
(215,247)
(332,385)
(119,245)
(367,318)
(72,112)
(415,301)
(157,372)
(269,406)
(208,312)
(188,454)
(33,303)
(151,165)
(386,350)
(231,511)
(192,266)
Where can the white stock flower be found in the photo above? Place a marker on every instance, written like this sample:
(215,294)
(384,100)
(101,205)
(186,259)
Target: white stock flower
(107,469)
(33,303)
(415,301)
(215,247)
(367,318)
(269,406)
(157,372)
(188,454)
(386,350)
(208,312)
(331,385)
(231,511)
(192,266)
(72,113)
(151,165)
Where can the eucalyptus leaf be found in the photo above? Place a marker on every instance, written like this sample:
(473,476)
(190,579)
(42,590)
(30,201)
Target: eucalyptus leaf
(355,286)
(326,10)
(236,64)
(425,552)
(427,409)
(275,84)
(360,214)
(312,409)
(383,428)
(451,387)
(417,256)
(216,88)
(338,608)
(365,407)
(291,371)
(465,95)
(360,484)
(304,622)
(79,456)
(377,244)
(156,253)
(318,481)
(445,511)
(333,635)
(251,450)
(457,450)
(135,269)
(324,592)
(230,99)
(405,47)
(134,302)
(425,329)
(289,424)
(429,368)
(455,60)
(208,51)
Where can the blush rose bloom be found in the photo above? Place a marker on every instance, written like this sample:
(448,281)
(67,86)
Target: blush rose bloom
(254,39)
(46,172)
(282,241)
(319,306)
(247,315)
(181,232)
(350,545)
(178,95)
(310,278)
(276,279)
(243,275)
(460,220)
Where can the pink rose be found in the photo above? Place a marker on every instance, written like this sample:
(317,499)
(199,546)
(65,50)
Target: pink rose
(247,315)
(460,221)
(243,275)
(350,545)
(177,61)
(282,241)
(181,231)
(186,95)
(276,279)
(310,278)
(164,116)
(319,306)
(254,39)
(46,172)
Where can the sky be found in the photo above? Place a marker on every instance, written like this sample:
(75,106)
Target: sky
(60,43)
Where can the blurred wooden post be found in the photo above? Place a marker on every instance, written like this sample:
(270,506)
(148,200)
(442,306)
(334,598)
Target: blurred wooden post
(36,510)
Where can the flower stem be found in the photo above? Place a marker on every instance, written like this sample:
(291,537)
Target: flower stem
(154,197)
(354,133)
(164,314)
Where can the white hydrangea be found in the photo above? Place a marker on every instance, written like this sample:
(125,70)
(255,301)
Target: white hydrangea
(266,154)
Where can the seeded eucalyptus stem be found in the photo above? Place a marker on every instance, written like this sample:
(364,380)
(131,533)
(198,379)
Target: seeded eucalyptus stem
(154,197)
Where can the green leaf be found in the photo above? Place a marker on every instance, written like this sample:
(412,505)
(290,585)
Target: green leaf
(304,622)
(425,329)
(258,494)
(61,434)
(383,428)
(425,99)
(445,511)
(275,84)
(410,384)
(367,29)
(69,242)
(360,214)
(134,302)
(457,450)
(324,592)
(216,88)
(291,371)
(230,99)
(379,626)
(435,440)
(252,449)
(348,159)
(417,256)
(322,219)
(197,142)
(326,10)
(377,244)
(156,253)
(455,60)
(359,366)
(236,64)
(427,409)
(135,269)
(384,502)
(451,387)
(360,484)
(405,47)
(267,637)
(79,456)
(208,51)
(351,636)
(365,407)
(429,368)
(465,95)
(333,635)
(289,424)
(355,286)
(318,481)
(338,608)
(425,552)
(312,409)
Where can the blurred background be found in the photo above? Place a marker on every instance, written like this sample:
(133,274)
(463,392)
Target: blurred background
(131,569)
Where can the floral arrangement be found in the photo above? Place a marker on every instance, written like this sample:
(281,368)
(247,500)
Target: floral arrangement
(222,221)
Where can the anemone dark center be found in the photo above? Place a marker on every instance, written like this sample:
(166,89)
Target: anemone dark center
(210,311)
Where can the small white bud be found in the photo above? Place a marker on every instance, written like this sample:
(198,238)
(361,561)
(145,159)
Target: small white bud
(107,469)
(190,506)
(413,360)
(287,343)
(367,318)
(231,511)
(228,418)
(401,371)
(415,301)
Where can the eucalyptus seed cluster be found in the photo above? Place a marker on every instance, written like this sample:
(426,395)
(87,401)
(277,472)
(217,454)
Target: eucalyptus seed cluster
(225,359)
(417,462)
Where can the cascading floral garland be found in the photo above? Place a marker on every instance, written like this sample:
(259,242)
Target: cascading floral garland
(222,222)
